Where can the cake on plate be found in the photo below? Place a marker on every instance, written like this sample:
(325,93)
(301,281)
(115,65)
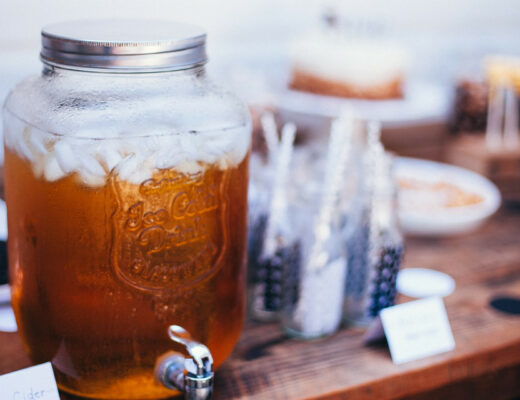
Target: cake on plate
(332,64)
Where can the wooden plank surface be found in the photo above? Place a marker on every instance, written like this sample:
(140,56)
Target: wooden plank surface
(501,166)
(484,365)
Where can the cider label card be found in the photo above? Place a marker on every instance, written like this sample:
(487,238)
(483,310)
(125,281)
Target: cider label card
(33,383)
(417,329)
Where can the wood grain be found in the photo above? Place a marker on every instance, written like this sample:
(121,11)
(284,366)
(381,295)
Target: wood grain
(501,166)
(484,365)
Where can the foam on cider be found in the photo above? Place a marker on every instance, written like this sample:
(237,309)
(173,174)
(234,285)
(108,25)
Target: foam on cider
(132,158)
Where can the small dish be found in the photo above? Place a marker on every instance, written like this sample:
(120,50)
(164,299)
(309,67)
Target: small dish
(436,199)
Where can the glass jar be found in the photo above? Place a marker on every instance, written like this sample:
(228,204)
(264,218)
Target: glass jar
(375,245)
(126,174)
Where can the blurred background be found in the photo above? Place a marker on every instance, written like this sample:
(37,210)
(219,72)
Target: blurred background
(250,43)
(446,37)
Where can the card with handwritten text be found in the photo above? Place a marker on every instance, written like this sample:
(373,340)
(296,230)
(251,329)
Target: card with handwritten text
(417,329)
(33,383)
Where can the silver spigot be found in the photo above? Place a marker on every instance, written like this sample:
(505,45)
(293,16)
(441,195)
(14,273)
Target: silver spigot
(192,376)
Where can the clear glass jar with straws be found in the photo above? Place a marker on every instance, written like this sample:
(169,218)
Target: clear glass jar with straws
(373,241)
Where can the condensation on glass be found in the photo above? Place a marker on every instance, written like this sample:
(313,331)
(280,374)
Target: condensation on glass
(126,183)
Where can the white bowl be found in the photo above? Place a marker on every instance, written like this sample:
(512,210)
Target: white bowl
(444,221)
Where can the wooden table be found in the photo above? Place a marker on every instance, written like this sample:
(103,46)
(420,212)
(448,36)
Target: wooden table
(484,365)
(501,166)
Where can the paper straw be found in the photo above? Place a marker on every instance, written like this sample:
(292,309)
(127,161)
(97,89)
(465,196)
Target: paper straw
(495,115)
(337,156)
(374,132)
(278,200)
(511,139)
(271,135)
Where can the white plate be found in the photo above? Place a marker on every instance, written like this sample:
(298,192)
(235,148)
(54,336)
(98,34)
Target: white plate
(444,221)
(422,103)
(422,282)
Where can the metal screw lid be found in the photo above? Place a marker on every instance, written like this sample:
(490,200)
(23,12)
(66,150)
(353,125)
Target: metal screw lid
(123,45)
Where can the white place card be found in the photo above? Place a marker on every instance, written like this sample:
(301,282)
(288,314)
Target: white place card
(33,383)
(417,329)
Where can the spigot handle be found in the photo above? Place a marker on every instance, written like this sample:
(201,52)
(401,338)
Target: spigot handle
(191,375)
